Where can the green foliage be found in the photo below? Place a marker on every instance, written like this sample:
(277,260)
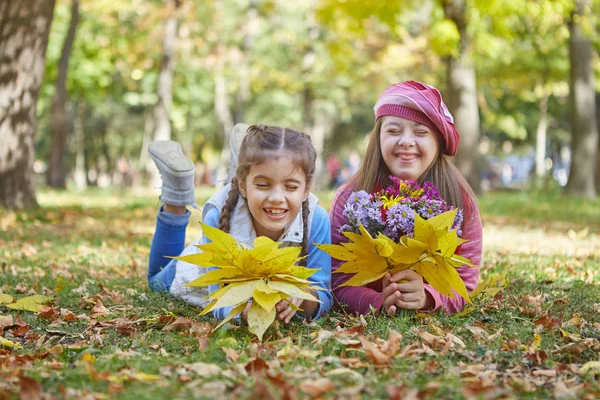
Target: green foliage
(274,55)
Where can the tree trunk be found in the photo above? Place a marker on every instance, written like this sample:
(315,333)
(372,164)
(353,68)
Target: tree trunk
(316,121)
(80,174)
(540,140)
(24,30)
(584,130)
(243,94)
(56,169)
(162,122)
(597,178)
(462,95)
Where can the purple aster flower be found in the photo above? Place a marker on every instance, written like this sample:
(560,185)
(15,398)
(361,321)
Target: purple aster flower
(458,220)
(359,198)
(401,219)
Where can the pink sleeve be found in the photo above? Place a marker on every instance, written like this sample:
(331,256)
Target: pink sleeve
(356,299)
(473,232)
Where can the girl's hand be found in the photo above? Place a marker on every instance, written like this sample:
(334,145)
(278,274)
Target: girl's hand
(284,311)
(245,313)
(410,290)
(389,295)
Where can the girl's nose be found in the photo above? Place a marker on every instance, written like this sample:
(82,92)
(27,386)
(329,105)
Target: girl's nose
(407,139)
(276,195)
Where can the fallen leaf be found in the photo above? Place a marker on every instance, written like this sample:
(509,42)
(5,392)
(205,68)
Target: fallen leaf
(256,366)
(6,320)
(231,354)
(590,367)
(29,303)
(6,299)
(478,332)
(203,342)
(30,388)
(548,373)
(7,343)
(201,329)
(99,310)
(180,324)
(144,377)
(316,387)
(381,355)
(88,357)
(203,369)
(47,312)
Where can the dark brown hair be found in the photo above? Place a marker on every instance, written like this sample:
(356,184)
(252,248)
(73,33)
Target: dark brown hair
(373,172)
(261,143)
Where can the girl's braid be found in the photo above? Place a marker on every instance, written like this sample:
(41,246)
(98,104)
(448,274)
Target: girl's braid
(304,250)
(229,206)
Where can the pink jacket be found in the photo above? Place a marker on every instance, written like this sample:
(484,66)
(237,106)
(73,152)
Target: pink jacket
(359,299)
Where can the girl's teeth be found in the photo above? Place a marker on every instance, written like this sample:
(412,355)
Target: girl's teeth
(276,211)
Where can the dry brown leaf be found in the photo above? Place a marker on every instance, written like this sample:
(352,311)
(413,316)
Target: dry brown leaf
(561,391)
(47,312)
(203,342)
(548,373)
(201,329)
(203,369)
(99,310)
(6,321)
(180,324)
(478,332)
(231,354)
(67,315)
(322,336)
(381,355)
(257,366)
(402,392)
(316,387)
(30,389)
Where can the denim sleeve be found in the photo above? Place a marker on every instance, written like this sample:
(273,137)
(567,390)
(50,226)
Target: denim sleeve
(320,233)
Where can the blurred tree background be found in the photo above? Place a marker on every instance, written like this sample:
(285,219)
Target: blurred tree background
(519,76)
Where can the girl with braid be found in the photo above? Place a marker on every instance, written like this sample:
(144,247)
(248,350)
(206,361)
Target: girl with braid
(269,196)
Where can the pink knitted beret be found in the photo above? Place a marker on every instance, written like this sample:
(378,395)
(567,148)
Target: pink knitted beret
(421,103)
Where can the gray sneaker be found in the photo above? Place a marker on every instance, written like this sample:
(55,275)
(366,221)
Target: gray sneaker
(177,173)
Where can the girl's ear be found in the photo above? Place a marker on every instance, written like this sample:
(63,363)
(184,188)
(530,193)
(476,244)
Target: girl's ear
(242,187)
(306,193)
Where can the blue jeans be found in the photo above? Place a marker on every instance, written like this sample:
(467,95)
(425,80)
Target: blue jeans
(169,240)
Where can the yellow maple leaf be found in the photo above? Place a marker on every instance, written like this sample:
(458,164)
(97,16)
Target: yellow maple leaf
(29,303)
(265,274)
(430,253)
(5,298)
(8,343)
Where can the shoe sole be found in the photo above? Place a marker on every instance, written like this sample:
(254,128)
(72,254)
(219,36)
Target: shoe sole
(170,157)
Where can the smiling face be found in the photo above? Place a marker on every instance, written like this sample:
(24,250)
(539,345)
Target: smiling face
(408,147)
(274,190)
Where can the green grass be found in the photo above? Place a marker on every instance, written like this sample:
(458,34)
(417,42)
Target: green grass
(528,340)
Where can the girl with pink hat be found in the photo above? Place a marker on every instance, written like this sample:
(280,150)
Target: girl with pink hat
(414,134)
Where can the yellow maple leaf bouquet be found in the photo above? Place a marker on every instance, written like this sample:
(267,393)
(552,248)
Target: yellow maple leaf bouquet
(263,275)
(405,226)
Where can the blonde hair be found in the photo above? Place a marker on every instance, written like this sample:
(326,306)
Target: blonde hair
(374,173)
(261,143)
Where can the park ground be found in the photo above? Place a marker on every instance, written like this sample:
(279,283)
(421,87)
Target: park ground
(533,331)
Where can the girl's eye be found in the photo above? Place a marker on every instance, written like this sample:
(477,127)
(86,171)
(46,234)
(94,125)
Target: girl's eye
(261,185)
(291,187)
(422,132)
